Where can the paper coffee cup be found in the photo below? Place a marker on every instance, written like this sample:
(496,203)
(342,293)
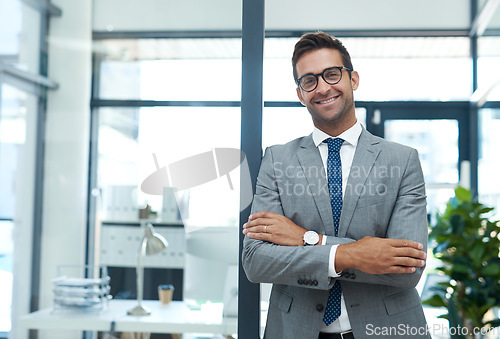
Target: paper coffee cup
(165,293)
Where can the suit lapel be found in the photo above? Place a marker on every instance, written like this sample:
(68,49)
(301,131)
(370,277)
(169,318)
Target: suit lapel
(314,171)
(366,153)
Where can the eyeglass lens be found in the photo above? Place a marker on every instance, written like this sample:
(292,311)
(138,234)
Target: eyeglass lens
(330,75)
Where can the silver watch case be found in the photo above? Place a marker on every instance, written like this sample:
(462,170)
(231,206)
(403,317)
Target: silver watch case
(311,238)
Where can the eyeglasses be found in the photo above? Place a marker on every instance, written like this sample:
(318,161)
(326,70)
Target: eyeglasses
(331,75)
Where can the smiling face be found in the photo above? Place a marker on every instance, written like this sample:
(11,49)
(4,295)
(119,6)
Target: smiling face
(331,106)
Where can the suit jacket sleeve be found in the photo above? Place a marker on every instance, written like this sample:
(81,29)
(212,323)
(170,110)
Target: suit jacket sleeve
(408,220)
(265,262)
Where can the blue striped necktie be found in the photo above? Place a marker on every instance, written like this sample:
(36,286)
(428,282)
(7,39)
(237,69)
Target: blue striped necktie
(334,171)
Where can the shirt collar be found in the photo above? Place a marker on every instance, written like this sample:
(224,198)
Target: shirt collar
(351,136)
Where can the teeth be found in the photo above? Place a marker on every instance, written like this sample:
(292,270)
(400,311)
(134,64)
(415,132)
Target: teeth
(327,101)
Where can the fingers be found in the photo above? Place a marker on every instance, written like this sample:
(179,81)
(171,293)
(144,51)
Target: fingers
(263,214)
(406,243)
(407,262)
(407,255)
(274,228)
(259,236)
(258,220)
(381,256)
(401,270)
(408,252)
(257,225)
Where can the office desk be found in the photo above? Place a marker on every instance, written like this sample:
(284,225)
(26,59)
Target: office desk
(175,317)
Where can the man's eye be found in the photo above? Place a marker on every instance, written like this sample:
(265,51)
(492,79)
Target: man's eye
(308,81)
(331,75)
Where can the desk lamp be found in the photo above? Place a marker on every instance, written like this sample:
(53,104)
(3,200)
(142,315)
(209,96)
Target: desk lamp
(152,243)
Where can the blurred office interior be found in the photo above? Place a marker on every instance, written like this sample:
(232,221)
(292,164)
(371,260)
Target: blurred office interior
(97,95)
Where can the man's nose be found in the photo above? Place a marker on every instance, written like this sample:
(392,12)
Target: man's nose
(323,86)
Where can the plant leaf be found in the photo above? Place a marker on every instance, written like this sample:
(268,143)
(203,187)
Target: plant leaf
(457,224)
(460,268)
(463,194)
(476,253)
(485,210)
(435,301)
(491,269)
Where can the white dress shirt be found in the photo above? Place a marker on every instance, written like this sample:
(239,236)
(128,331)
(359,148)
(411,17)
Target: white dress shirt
(347,151)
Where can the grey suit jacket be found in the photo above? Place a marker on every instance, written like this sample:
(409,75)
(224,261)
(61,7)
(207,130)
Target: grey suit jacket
(385,197)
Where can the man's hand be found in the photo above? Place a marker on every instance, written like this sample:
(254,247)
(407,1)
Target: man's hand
(274,228)
(380,256)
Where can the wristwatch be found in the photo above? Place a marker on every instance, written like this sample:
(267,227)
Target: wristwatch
(311,238)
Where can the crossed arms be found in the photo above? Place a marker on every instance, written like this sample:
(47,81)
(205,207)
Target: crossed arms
(370,254)
(274,251)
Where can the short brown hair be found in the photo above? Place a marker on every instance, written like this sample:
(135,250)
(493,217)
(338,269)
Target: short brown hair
(314,41)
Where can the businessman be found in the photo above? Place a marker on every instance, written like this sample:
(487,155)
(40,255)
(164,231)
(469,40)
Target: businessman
(338,221)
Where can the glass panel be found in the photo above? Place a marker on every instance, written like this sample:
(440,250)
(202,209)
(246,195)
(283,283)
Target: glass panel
(12,136)
(488,68)
(17,113)
(171,69)
(137,144)
(19,35)
(414,79)
(389,68)
(6,273)
(298,124)
(10,29)
(437,144)
(489,162)
(29,51)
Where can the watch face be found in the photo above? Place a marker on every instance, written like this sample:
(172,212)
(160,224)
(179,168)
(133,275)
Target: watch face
(311,238)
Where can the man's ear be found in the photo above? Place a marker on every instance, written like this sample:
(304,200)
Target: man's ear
(354,80)
(301,98)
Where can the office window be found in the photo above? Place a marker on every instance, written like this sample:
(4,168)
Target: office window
(130,139)
(489,67)
(283,124)
(10,29)
(437,144)
(19,35)
(17,149)
(137,143)
(420,68)
(489,121)
(19,48)
(198,84)
(489,181)
(171,69)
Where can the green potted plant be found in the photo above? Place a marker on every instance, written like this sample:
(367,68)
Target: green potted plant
(467,244)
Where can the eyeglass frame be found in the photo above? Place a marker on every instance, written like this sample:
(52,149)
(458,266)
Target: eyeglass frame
(322,76)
